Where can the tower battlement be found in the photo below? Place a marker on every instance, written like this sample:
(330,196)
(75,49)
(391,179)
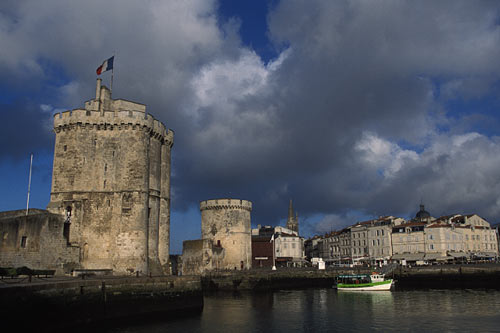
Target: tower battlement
(225,204)
(112,120)
(105,113)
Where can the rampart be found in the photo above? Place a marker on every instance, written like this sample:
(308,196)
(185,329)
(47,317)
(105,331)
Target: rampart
(36,240)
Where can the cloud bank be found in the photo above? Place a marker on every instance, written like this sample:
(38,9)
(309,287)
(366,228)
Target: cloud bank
(368,107)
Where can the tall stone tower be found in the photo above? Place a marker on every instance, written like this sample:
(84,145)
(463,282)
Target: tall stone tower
(292,222)
(111,178)
(226,222)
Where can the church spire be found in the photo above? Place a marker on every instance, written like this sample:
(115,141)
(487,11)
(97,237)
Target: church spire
(290,211)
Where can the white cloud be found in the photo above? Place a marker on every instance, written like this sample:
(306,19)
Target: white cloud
(384,155)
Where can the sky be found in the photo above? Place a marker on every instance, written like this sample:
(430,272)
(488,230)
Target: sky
(352,109)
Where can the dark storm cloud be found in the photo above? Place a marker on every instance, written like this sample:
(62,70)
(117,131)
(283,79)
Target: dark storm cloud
(348,119)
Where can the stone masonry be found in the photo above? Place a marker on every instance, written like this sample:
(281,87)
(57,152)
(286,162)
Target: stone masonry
(111,179)
(226,242)
(37,240)
(226,222)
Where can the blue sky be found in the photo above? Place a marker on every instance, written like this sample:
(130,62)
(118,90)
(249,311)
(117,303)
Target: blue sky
(353,109)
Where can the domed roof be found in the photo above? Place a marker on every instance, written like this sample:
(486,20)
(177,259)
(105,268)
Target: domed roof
(422,213)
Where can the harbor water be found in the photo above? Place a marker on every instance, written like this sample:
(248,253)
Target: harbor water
(328,310)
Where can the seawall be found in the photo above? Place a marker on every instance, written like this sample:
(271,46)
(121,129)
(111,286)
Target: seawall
(448,276)
(56,305)
(441,276)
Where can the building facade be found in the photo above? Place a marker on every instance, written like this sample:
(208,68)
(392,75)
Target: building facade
(277,246)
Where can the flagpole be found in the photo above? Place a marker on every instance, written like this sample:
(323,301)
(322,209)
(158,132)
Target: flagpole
(112,76)
(111,86)
(29,185)
(274,249)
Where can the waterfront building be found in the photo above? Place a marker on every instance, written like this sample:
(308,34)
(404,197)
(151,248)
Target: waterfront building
(359,242)
(312,247)
(452,237)
(379,238)
(408,241)
(288,247)
(329,248)
(345,246)
(423,239)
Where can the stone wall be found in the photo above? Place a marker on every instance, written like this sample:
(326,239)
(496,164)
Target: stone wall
(37,241)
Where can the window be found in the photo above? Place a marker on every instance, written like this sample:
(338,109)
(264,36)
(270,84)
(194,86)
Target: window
(431,246)
(24,241)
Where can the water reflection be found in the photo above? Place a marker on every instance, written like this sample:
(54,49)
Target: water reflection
(315,310)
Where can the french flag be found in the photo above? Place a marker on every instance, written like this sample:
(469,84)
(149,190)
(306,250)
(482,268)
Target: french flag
(106,66)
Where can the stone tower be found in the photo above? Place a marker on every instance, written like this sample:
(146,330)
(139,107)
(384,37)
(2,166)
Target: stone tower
(111,178)
(226,222)
(292,222)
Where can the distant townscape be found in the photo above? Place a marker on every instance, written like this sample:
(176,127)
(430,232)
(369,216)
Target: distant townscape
(109,213)
(421,240)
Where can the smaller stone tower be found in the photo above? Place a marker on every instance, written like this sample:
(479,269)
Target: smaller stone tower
(292,222)
(226,222)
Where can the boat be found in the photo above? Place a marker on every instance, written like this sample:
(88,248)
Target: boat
(363,282)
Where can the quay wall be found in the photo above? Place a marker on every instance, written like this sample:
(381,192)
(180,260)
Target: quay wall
(448,276)
(65,304)
(442,276)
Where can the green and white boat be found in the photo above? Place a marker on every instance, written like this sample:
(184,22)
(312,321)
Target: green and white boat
(363,282)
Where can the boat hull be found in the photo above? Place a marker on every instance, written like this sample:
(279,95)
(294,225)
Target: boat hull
(377,286)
